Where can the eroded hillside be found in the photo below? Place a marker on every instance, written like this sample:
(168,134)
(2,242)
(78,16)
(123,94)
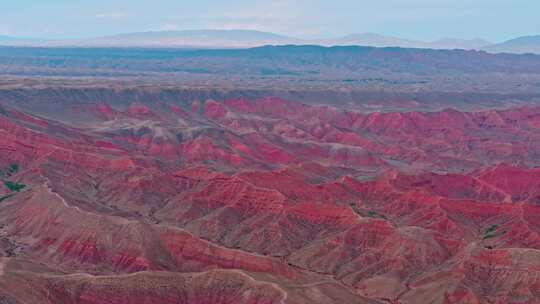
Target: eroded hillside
(231,199)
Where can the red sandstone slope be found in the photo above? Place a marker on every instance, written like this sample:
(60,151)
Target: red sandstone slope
(268,201)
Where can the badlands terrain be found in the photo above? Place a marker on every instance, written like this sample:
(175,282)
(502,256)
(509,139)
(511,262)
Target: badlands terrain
(269,175)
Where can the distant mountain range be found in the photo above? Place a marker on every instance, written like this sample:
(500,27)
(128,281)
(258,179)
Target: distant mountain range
(376,40)
(194,38)
(250,38)
(526,44)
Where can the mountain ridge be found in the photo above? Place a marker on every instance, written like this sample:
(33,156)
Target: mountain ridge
(242,38)
(523,44)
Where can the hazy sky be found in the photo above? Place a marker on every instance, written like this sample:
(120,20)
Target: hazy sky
(495,20)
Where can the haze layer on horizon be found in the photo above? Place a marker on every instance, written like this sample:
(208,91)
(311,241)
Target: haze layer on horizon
(495,20)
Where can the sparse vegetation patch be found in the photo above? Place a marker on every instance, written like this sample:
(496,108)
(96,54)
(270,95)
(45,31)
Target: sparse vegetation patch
(12,186)
(493,231)
(374,214)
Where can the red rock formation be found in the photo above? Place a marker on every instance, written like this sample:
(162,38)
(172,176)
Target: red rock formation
(270,201)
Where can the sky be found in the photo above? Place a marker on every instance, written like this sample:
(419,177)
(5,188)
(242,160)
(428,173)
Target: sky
(494,20)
